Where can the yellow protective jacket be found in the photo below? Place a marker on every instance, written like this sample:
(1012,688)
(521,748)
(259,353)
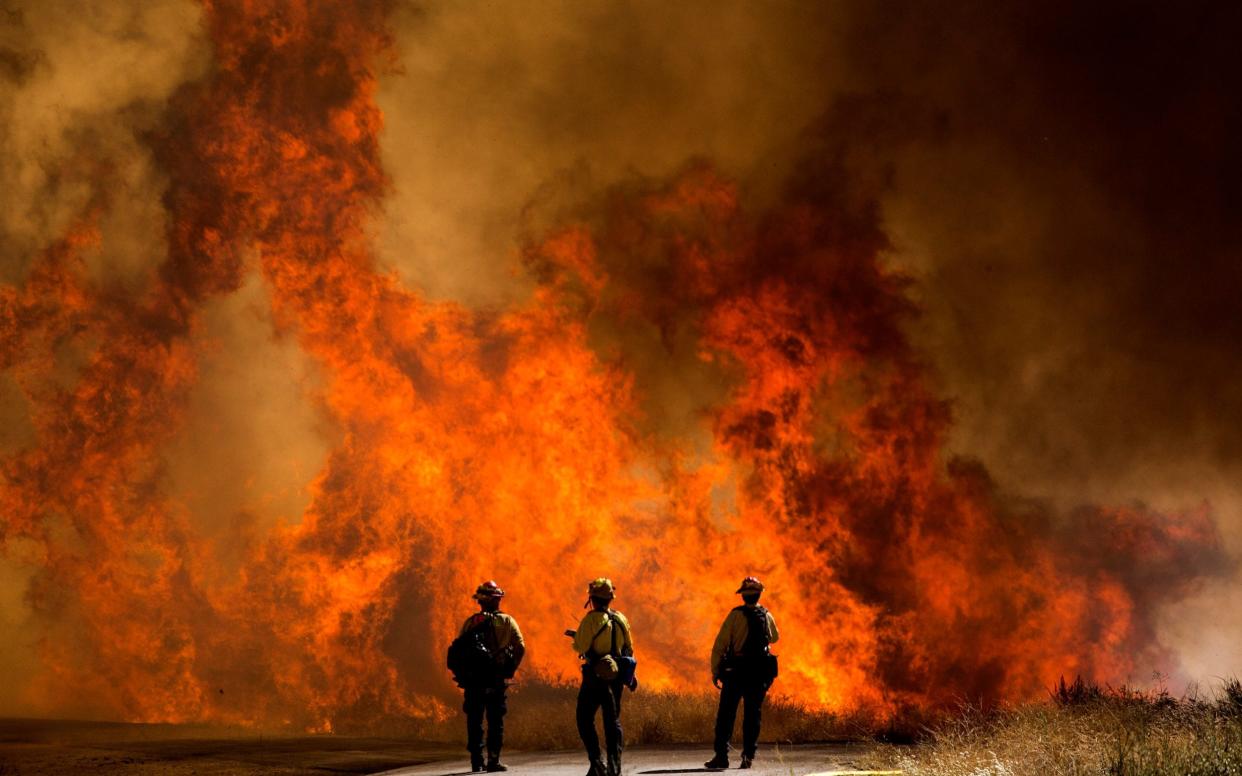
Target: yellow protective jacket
(732,637)
(586,639)
(506,629)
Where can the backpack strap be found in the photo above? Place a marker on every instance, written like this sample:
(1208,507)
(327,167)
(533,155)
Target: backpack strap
(607,622)
(626,629)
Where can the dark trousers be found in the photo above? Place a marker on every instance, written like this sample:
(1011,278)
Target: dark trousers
(605,696)
(489,700)
(750,692)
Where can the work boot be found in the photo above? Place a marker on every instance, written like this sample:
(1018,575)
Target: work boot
(597,769)
(476,763)
(747,759)
(614,766)
(494,765)
(717,763)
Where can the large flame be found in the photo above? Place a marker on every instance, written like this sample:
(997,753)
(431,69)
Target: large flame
(521,444)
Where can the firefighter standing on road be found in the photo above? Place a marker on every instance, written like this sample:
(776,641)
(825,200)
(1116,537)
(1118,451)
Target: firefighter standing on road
(741,661)
(603,640)
(500,642)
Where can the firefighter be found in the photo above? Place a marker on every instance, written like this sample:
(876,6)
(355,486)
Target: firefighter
(743,669)
(497,642)
(604,642)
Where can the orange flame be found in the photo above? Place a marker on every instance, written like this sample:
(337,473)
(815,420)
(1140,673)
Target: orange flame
(514,446)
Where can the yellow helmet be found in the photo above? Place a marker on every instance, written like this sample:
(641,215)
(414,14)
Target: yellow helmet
(601,588)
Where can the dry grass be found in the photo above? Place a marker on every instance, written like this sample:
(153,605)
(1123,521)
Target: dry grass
(1085,729)
(541,717)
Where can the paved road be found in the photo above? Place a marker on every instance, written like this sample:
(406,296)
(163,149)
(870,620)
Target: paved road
(800,760)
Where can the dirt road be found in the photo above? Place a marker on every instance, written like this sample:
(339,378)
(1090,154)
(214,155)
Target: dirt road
(54,748)
(799,760)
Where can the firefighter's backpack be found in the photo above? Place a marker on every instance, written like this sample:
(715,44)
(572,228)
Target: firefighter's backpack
(472,655)
(756,660)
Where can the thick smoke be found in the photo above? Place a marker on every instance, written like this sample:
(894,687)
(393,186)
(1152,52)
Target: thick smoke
(80,83)
(1071,213)
(526,96)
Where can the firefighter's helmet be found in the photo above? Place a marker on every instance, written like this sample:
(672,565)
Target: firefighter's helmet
(751,585)
(488,590)
(601,588)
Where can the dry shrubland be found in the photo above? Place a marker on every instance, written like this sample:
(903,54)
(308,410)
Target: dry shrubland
(541,717)
(1085,729)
